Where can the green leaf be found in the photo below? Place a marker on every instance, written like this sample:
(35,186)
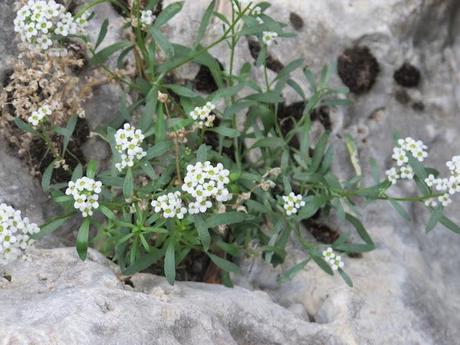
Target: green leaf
(271,142)
(202,153)
(449,224)
(144,262)
(204,23)
(354,247)
(318,155)
(267,97)
(150,109)
(107,212)
(203,232)
(223,264)
(91,169)
(104,54)
(401,210)
(345,278)
(226,132)
(360,229)
(128,185)
(52,225)
(158,150)
(293,271)
(24,126)
(77,172)
(170,262)
(419,170)
(181,90)
(227,219)
(46,178)
(102,33)
(162,41)
(435,216)
(320,262)
(312,205)
(167,14)
(83,238)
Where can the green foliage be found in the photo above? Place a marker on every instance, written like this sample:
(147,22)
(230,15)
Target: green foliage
(260,151)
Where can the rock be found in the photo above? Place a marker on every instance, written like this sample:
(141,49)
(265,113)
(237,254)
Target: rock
(8,49)
(57,299)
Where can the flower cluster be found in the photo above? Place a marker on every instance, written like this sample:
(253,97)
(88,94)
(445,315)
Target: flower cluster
(292,203)
(128,143)
(446,186)
(335,261)
(202,115)
(15,233)
(171,205)
(400,154)
(39,21)
(268,37)
(147,18)
(38,115)
(205,182)
(85,192)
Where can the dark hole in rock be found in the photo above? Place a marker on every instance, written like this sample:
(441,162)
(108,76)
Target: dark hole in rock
(6,77)
(7,277)
(272,64)
(418,106)
(296,21)
(40,158)
(355,255)
(204,81)
(402,96)
(212,139)
(128,281)
(294,111)
(358,69)
(321,232)
(407,75)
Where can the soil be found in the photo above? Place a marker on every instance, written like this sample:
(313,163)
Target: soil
(407,75)
(321,232)
(273,64)
(358,68)
(40,159)
(212,139)
(296,21)
(204,81)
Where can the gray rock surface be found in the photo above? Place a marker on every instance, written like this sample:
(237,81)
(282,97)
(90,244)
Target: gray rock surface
(57,299)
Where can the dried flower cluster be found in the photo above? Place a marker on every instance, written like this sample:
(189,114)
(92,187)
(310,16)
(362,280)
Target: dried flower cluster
(39,23)
(15,233)
(203,115)
(128,144)
(334,260)
(292,203)
(85,192)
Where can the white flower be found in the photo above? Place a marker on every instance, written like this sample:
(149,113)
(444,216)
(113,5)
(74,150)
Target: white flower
(202,115)
(454,165)
(85,192)
(38,22)
(268,37)
(430,180)
(39,115)
(128,142)
(445,200)
(147,18)
(15,233)
(335,261)
(170,205)
(292,203)
(453,184)
(204,182)
(407,172)
(393,175)
(400,156)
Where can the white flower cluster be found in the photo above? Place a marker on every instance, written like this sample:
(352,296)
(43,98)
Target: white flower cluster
(147,18)
(171,205)
(205,182)
(39,21)
(448,186)
(15,233)
(335,261)
(202,115)
(128,143)
(292,203)
(85,192)
(268,37)
(39,115)
(400,154)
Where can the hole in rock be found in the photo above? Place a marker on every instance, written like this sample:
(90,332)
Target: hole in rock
(296,21)
(273,64)
(358,68)
(407,75)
